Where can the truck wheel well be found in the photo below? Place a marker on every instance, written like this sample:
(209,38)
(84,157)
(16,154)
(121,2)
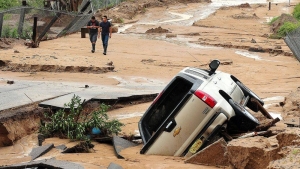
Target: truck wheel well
(224,95)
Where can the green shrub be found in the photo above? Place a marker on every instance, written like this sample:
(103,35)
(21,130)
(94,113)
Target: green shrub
(14,33)
(77,124)
(273,20)
(286,28)
(6,31)
(275,36)
(6,4)
(296,12)
(7,16)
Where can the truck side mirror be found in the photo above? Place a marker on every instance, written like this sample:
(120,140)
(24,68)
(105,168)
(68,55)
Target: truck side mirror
(213,66)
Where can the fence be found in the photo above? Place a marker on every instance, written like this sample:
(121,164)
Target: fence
(40,24)
(293,41)
(19,22)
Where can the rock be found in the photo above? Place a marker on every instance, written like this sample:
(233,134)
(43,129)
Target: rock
(171,35)
(10,82)
(110,63)
(16,51)
(213,155)
(253,40)
(53,57)
(277,47)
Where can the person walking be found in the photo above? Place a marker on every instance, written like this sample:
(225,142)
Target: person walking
(93,26)
(106,31)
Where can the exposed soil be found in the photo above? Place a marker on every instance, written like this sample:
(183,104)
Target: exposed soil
(18,67)
(291,104)
(158,30)
(8,43)
(18,123)
(129,9)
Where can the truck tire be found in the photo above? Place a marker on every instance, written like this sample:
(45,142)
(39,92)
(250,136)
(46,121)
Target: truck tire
(244,120)
(251,94)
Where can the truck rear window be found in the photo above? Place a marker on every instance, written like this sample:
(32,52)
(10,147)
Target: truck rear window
(168,101)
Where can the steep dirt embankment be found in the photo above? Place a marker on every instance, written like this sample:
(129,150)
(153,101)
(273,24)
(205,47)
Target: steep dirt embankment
(279,151)
(18,123)
(129,9)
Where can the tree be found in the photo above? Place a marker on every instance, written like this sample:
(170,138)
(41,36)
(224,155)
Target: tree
(5,4)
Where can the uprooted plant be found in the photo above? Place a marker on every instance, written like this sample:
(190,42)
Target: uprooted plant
(78,124)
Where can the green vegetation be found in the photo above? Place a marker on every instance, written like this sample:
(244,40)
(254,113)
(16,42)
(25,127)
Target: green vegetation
(77,123)
(286,28)
(6,4)
(5,31)
(295,152)
(36,3)
(273,20)
(12,32)
(7,17)
(296,12)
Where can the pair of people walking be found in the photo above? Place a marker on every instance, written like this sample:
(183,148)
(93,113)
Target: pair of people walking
(96,28)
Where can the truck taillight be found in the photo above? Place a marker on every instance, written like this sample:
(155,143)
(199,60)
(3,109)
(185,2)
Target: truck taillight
(157,97)
(210,101)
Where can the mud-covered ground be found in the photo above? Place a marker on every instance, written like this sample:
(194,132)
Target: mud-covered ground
(199,32)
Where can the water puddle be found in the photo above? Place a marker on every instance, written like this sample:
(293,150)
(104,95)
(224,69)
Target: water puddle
(248,55)
(275,115)
(183,17)
(275,98)
(124,28)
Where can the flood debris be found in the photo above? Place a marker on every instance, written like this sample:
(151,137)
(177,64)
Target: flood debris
(48,163)
(82,147)
(41,139)
(158,30)
(41,150)
(121,144)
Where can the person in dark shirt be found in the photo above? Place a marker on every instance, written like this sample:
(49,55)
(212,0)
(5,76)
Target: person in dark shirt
(106,31)
(94,29)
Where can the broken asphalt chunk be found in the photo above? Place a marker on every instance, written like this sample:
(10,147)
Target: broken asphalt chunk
(48,163)
(121,144)
(39,151)
(114,166)
(61,147)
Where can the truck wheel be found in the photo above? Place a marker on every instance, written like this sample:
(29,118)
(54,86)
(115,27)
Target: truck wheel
(243,119)
(248,92)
